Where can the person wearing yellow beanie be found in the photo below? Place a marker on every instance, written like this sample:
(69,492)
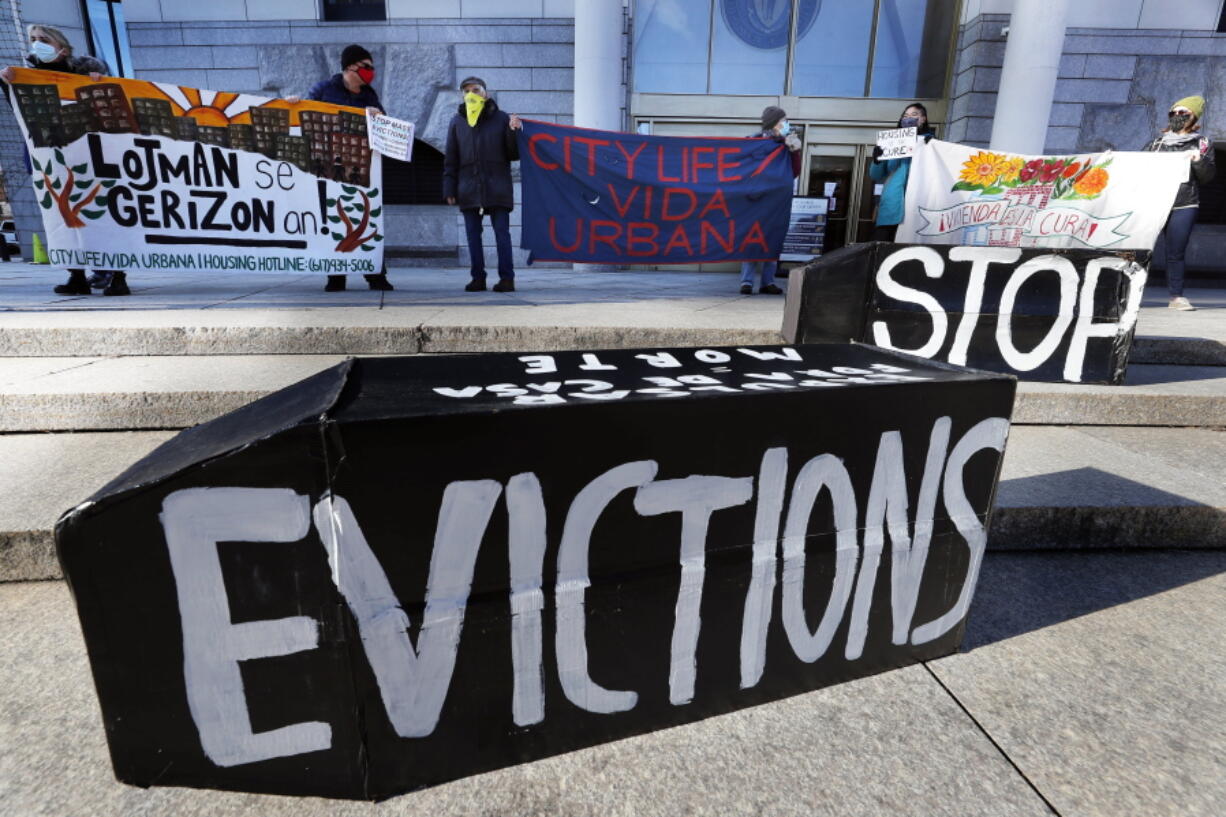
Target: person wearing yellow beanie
(1183,135)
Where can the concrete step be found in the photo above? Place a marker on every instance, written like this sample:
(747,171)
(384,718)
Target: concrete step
(1073,487)
(1111,486)
(407,330)
(105,393)
(243,314)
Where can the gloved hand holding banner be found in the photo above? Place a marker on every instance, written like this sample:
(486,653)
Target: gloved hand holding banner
(964,195)
(148,176)
(626,198)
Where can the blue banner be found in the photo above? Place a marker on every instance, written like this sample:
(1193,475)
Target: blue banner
(624,198)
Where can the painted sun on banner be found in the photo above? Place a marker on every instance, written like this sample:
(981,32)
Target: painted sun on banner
(963,195)
(147,176)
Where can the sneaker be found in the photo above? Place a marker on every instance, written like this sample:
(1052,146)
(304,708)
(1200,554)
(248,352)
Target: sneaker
(475,285)
(379,281)
(504,285)
(770,289)
(118,285)
(100,280)
(1181,303)
(746,289)
(336,283)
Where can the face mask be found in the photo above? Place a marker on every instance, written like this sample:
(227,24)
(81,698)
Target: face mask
(473,104)
(785,128)
(909,122)
(367,75)
(44,52)
(1179,121)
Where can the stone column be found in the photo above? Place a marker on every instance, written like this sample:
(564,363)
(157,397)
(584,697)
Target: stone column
(1028,77)
(598,64)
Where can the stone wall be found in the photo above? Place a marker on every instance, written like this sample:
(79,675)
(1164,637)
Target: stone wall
(528,64)
(1112,93)
(1113,90)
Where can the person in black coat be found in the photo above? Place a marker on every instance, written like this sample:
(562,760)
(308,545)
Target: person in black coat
(481,145)
(1183,136)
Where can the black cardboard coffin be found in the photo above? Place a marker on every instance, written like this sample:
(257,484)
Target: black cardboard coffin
(1025,312)
(402,571)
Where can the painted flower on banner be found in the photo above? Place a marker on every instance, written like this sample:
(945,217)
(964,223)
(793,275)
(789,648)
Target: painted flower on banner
(1065,177)
(981,170)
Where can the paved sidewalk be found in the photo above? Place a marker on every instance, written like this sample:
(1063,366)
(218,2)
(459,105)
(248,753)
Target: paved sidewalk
(1091,684)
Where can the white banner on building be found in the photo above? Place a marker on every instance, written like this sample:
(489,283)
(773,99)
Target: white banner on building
(145,176)
(964,195)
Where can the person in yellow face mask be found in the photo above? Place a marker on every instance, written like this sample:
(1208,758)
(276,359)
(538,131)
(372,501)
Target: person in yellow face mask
(477,176)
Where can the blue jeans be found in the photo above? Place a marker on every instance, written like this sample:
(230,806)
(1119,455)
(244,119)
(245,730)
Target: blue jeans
(768,271)
(1177,231)
(500,219)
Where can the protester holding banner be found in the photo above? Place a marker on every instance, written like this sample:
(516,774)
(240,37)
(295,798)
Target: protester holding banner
(895,172)
(1183,135)
(775,126)
(477,177)
(352,87)
(51,51)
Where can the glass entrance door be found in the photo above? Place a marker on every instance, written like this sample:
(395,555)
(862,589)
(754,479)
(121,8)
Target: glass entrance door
(839,172)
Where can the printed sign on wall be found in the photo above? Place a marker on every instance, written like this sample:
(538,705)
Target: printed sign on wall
(617,198)
(407,570)
(147,176)
(1040,315)
(807,229)
(963,195)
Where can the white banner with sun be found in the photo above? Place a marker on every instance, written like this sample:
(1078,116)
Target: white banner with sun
(145,177)
(963,195)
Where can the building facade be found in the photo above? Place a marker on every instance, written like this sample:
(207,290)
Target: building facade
(842,70)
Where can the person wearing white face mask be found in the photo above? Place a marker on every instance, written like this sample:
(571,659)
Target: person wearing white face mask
(50,50)
(775,126)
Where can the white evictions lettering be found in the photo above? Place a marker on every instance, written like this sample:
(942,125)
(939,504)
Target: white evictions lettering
(414,678)
(194,521)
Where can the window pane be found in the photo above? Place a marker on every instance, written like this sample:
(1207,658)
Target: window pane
(110,36)
(339,10)
(832,48)
(912,48)
(750,51)
(671,38)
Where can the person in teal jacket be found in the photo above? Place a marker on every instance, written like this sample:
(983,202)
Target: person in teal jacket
(894,172)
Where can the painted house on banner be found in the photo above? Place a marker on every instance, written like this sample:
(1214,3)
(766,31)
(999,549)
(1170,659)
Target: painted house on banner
(842,71)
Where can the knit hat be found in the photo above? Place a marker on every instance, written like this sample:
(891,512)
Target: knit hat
(354,54)
(1195,104)
(771,116)
(472,81)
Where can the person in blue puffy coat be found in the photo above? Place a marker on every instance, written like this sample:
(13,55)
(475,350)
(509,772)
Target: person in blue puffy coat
(894,172)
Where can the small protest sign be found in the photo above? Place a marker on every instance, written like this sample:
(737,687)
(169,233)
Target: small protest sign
(896,144)
(391,137)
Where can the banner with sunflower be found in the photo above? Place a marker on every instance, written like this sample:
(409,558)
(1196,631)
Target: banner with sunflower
(964,195)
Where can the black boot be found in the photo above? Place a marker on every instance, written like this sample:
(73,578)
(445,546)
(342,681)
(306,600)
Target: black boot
(75,285)
(475,285)
(336,283)
(118,284)
(379,281)
(504,285)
